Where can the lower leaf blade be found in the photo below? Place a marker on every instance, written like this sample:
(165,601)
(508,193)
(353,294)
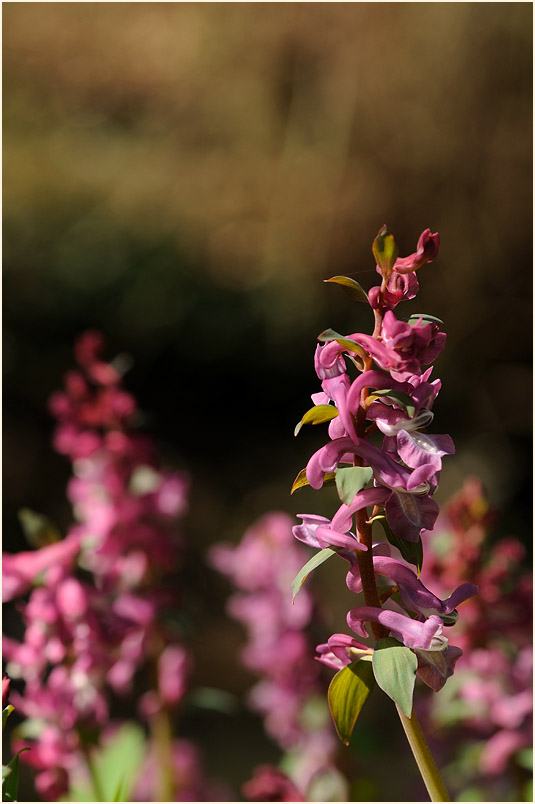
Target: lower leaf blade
(348,692)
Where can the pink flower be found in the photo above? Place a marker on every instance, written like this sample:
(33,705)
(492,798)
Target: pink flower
(174,666)
(270,784)
(20,570)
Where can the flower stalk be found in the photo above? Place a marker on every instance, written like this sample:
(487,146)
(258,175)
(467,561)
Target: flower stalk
(424,759)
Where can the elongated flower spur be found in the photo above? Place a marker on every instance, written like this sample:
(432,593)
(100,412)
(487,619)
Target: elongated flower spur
(377,397)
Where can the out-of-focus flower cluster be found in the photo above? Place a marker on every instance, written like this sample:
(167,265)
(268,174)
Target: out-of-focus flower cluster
(489,704)
(289,694)
(100,600)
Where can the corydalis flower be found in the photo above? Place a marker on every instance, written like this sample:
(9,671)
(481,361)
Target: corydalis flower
(403,348)
(414,595)
(399,280)
(405,495)
(426,635)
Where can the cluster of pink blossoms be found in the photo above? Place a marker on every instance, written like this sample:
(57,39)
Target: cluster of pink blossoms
(386,466)
(493,683)
(99,600)
(289,694)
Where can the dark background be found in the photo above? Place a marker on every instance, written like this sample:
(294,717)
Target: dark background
(183,176)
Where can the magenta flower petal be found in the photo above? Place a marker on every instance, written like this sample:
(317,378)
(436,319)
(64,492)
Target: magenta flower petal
(328,537)
(343,519)
(306,532)
(426,251)
(417,449)
(20,570)
(372,379)
(414,595)
(340,650)
(413,634)
(328,360)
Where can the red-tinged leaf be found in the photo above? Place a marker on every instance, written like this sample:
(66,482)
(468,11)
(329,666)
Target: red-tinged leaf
(351,287)
(385,251)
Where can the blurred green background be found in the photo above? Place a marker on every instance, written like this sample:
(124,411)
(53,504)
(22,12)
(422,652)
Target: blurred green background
(182,176)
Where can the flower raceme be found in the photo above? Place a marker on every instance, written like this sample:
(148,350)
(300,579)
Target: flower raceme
(99,599)
(386,467)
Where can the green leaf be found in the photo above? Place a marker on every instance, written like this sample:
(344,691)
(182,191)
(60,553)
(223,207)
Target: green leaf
(6,713)
(317,415)
(214,700)
(351,287)
(114,766)
(403,400)
(426,319)
(10,783)
(301,480)
(394,668)
(413,552)
(121,791)
(348,692)
(385,251)
(39,530)
(5,771)
(351,480)
(314,562)
(525,758)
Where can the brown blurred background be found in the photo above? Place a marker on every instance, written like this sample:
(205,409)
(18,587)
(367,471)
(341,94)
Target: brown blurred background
(184,175)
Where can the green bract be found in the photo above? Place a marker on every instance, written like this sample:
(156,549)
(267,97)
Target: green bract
(350,480)
(427,319)
(394,668)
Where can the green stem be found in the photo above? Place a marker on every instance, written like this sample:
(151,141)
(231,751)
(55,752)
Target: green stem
(163,737)
(424,759)
(97,787)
